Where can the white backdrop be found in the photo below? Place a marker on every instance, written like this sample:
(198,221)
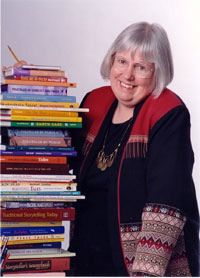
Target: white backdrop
(76,34)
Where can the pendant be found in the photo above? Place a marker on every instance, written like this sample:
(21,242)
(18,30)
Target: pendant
(103,161)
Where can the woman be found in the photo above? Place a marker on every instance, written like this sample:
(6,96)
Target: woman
(140,215)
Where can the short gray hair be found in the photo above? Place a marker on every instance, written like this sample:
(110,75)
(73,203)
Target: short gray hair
(153,44)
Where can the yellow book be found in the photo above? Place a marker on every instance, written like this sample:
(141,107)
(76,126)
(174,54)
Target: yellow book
(42,118)
(30,224)
(40,103)
(13,242)
(54,113)
(35,239)
(39,83)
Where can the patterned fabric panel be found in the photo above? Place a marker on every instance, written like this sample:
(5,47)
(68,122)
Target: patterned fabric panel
(161,227)
(136,146)
(130,238)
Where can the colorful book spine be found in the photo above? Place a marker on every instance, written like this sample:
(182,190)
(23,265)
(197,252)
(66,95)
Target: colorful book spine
(37,214)
(12,204)
(34,159)
(38,188)
(30,224)
(40,83)
(41,118)
(36,90)
(36,245)
(38,132)
(11,72)
(36,169)
(40,141)
(37,153)
(23,112)
(41,78)
(41,124)
(42,108)
(38,148)
(35,239)
(32,230)
(29,177)
(43,104)
(36,265)
(41,193)
(35,97)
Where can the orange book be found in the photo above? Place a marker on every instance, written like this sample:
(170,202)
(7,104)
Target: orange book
(39,83)
(34,159)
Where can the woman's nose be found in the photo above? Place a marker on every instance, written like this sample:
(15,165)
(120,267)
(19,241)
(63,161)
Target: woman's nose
(129,73)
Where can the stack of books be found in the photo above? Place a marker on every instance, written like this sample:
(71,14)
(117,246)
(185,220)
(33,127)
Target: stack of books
(38,187)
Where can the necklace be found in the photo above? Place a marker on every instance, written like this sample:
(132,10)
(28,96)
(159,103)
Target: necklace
(104,161)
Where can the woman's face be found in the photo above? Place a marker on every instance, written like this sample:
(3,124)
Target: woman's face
(131,77)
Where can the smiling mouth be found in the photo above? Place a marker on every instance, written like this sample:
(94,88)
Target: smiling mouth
(127,86)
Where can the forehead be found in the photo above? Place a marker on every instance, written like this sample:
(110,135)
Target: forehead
(133,55)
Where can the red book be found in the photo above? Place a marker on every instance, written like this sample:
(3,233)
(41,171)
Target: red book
(38,169)
(37,214)
(35,265)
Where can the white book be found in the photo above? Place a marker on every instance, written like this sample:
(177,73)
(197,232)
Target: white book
(41,67)
(41,198)
(23,177)
(57,254)
(8,107)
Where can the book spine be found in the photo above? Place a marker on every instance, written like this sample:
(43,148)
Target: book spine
(29,177)
(41,78)
(38,132)
(35,97)
(38,214)
(36,265)
(42,118)
(21,112)
(17,231)
(36,245)
(35,153)
(68,109)
(37,188)
(36,90)
(41,124)
(30,224)
(40,141)
(34,159)
(31,104)
(41,169)
(40,83)
(41,193)
(9,204)
(39,148)
(23,72)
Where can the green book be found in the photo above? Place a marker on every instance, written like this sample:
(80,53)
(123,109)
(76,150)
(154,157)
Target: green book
(41,124)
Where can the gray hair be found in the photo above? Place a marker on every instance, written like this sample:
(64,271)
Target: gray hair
(153,44)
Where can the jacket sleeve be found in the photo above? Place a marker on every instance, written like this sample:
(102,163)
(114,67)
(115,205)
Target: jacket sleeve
(171,201)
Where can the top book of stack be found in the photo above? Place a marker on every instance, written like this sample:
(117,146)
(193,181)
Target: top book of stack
(38,75)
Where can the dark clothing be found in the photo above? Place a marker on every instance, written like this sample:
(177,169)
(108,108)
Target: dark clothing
(152,213)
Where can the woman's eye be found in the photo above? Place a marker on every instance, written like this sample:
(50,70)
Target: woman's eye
(121,61)
(140,67)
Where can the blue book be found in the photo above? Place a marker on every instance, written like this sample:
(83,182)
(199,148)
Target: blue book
(35,245)
(38,148)
(38,132)
(26,97)
(40,193)
(18,231)
(36,153)
(29,89)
